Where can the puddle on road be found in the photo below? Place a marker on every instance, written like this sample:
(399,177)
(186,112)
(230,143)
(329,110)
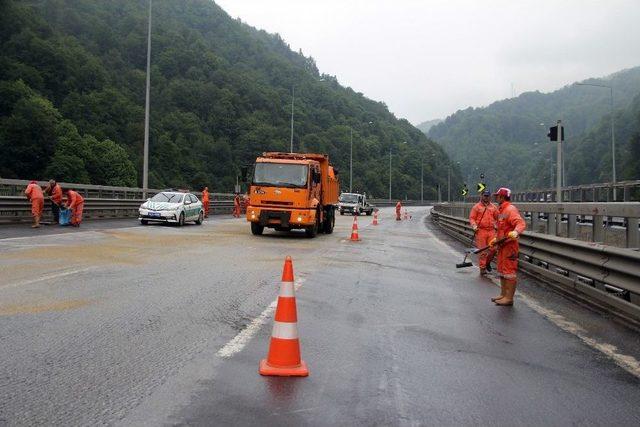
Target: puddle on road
(12,310)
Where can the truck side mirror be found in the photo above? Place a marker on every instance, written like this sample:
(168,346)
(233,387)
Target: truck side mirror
(316,177)
(243,173)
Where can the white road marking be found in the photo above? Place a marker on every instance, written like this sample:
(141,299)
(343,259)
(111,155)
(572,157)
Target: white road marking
(240,341)
(628,363)
(46,277)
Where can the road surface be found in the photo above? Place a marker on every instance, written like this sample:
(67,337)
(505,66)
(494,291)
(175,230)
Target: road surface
(133,325)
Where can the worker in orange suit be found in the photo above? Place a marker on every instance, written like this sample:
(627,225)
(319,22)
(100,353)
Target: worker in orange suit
(54,191)
(510,226)
(236,206)
(205,201)
(75,202)
(483,221)
(398,210)
(35,195)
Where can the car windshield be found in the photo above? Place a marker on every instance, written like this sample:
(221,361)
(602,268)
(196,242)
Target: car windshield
(280,174)
(167,197)
(349,198)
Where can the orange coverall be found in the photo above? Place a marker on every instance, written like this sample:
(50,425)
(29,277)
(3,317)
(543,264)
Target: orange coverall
(509,219)
(398,211)
(236,206)
(35,195)
(205,202)
(484,217)
(75,202)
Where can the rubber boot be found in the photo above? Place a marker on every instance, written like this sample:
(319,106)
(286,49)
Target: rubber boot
(36,222)
(502,291)
(510,292)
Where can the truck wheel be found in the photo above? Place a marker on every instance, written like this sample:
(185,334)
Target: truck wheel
(329,221)
(313,231)
(256,229)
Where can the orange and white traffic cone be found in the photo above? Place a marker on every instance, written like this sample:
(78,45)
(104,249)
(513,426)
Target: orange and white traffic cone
(375,217)
(354,230)
(283,359)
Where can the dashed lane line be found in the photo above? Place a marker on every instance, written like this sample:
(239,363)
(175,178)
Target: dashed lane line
(626,362)
(46,277)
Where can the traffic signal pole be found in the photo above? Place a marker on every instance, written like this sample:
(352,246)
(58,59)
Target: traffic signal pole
(559,165)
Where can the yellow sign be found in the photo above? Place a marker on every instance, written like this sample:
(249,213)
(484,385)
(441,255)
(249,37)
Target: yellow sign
(481,187)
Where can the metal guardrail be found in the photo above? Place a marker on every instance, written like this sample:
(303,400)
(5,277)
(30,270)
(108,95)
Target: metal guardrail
(100,201)
(615,224)
(606,276)
(626,191)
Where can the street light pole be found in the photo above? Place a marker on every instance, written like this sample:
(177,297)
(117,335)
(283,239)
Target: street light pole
(422,181)
(293,97)
(613,134)
(145,161)
(449,185)
(350,159)
(389,173)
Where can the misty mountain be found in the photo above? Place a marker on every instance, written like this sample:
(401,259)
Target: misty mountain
(507,139)
(425,126)
(72,95)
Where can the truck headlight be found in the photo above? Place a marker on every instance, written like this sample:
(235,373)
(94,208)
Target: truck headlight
(299,219)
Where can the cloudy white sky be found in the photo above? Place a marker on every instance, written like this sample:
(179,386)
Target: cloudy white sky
(426,59)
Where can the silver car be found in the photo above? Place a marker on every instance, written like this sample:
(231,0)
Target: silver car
(172,207)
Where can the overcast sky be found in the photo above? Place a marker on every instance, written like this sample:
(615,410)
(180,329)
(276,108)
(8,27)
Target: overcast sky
(427,59)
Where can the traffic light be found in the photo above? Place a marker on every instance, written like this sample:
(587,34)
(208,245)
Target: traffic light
(553,133)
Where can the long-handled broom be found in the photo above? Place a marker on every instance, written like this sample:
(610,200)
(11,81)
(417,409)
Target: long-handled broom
(466,263)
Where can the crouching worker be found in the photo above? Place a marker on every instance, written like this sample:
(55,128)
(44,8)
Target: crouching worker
(75,202)
(510,226)
(54,191)
(36,197)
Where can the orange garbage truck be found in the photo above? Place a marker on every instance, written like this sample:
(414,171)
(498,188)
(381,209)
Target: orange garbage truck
(293,191)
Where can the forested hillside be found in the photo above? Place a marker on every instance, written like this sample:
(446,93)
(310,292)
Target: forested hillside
(72,83)
(507,140)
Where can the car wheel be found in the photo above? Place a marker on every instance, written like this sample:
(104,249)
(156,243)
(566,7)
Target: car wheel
(181,219)
(256,229)
(144,222)
(341,213)
(369,213)
(200,218)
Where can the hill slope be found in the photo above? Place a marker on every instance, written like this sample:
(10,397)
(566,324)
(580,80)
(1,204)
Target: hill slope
(507,140)
(72,81)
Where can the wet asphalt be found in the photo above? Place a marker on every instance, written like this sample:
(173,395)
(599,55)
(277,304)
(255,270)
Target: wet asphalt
(122,325)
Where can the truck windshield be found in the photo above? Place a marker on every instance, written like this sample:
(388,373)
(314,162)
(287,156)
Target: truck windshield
(349,198)
(281,174)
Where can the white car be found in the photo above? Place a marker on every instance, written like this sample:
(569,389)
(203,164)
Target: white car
(173,207)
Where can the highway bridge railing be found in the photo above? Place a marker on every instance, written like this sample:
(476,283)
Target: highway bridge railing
(626,191)
(100,201)
(603,275)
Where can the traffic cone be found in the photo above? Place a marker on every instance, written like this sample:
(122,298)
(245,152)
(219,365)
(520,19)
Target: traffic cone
(283,359)
(375,217)
(354,230)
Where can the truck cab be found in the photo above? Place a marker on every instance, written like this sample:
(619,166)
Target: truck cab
(292,191)
(354,204)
